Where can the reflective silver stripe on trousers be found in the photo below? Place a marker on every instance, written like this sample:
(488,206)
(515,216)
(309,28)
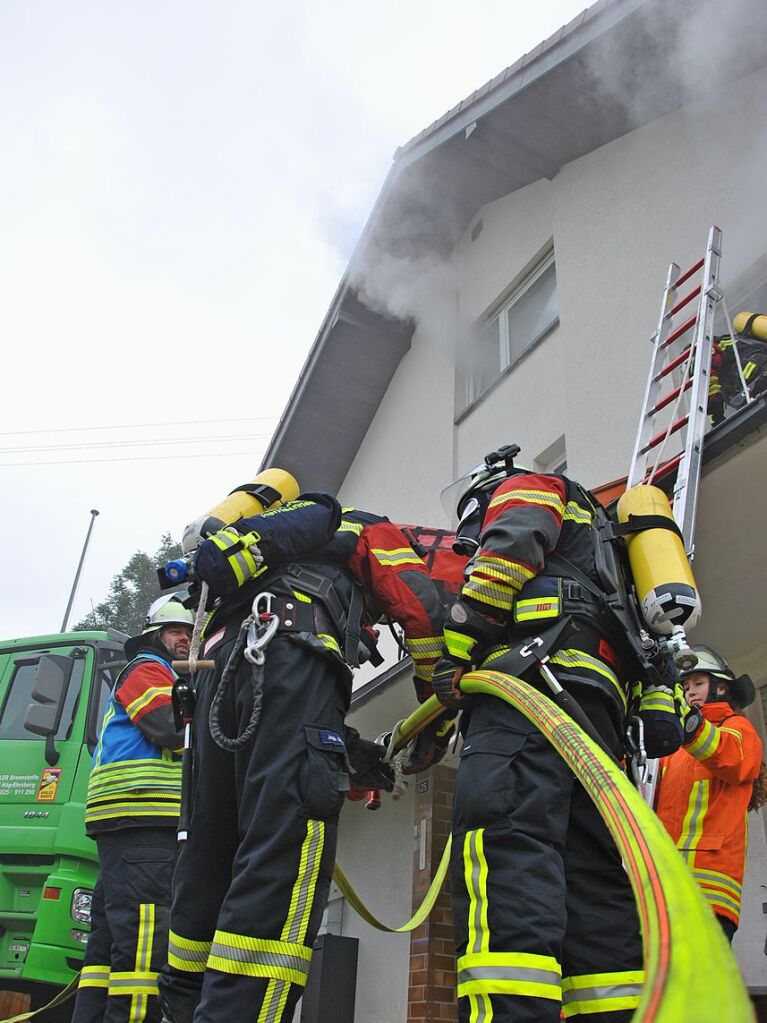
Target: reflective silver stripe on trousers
(598,994)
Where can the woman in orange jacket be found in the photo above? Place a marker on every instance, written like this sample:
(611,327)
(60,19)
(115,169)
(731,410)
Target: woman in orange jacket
(708,785)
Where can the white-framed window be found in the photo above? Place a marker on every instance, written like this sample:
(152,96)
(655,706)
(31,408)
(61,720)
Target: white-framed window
(499,340)
(554,458)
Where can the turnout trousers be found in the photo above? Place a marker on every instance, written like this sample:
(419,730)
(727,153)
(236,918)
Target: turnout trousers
(253,877)
(128,942)
(544,914)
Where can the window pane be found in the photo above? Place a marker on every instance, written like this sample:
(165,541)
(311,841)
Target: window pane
(480,365)
(20,694)
(532,313)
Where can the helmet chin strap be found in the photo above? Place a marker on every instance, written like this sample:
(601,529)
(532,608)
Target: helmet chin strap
(713,686)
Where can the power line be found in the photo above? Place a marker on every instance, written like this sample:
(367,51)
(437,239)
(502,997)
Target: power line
(143,458)
(150,441)
(138,426)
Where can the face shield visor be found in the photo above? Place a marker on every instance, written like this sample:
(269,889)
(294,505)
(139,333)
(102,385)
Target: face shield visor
(453,493)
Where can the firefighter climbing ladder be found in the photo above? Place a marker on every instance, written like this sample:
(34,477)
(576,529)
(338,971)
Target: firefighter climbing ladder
(676,395)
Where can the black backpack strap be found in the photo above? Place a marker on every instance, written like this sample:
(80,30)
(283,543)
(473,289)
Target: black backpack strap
(639,523)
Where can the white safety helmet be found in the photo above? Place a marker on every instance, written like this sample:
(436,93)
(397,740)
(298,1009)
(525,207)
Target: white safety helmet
(710,663)
(741,690)
(166,610)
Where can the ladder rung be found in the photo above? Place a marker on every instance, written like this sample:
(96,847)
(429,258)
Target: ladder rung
(673,364)
(686,276)
(665,468)
(664,433)
(679,331)
(683,301)
(669,398)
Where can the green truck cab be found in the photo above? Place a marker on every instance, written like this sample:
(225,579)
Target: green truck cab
(53,690)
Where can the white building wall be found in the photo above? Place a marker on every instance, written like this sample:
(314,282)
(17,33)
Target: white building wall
(617,217)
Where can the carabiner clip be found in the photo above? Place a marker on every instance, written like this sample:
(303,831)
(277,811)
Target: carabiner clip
(260,633)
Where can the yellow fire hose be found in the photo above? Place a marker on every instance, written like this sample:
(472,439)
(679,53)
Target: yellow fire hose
(690,972)
(61,997)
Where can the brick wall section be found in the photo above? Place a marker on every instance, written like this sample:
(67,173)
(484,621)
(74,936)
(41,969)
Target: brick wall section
(431,992)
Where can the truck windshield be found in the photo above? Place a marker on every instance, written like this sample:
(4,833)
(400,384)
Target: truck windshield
(20,694)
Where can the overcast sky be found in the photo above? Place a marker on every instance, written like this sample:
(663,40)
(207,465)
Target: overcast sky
(181,187)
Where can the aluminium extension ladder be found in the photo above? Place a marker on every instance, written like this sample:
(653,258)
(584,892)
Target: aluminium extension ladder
(676,395)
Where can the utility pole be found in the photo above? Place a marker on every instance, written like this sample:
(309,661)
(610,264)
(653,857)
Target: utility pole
(94,513)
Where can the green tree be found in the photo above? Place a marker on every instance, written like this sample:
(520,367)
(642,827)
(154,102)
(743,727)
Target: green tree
(131,591)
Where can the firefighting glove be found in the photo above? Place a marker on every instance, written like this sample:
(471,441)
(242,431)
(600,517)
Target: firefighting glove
(444,682)
(228,559)
(429,746)
(656,727)
(467,636)
(366,767)
(691,724)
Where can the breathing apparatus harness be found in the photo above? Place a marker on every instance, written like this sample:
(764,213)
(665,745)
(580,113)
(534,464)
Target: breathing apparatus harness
(610,605)
(273,613)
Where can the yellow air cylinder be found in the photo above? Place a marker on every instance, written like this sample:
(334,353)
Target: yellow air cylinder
(659,565)
(757,329)
(269,489)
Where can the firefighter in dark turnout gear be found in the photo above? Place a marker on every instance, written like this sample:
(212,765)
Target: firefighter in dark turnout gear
(132,810)
(725,389)
(253,877)
(543,911)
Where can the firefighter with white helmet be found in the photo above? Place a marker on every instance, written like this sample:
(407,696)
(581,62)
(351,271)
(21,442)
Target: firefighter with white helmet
(707,786)
(132,811)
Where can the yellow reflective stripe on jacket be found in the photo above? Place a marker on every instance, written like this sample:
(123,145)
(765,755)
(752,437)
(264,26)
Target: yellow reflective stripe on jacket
(537,607)
(328,641)
(694,819)
(591,993)
(135,774)
(297,921)
(509,973)
(659,700)
(720,890)
(259,957)
(738,736)
(748,370)
(579,659)
(705,743)
(716,877)
(396,556)
(302,597)
(350,527)
(241,561)
(458,644)
(718,900)
(187,953)
(542,497)
(146,697)
(428,646)
(94,976)
(495,594)
(575,513)
(512,572)
(138,809)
